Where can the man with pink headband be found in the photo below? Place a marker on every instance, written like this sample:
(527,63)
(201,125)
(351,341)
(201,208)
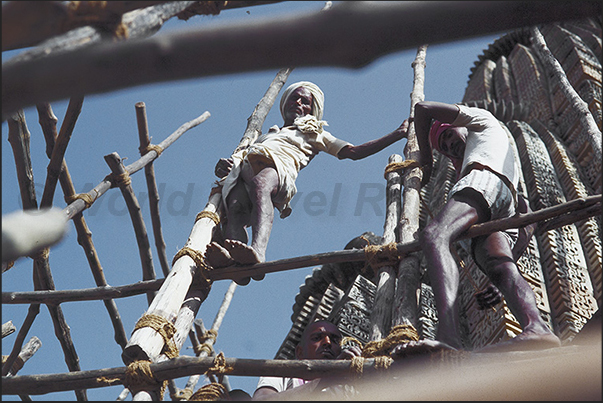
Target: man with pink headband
(262,177)
(487,170)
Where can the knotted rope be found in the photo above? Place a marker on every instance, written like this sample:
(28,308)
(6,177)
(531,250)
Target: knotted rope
(120,180)
(211,334)
(357,363)
(203,268)
(208,214)
(165,328)
(399,166)
(88,200)
(397,335)
(220,368)
(151,147)
(139,377)
(212,391)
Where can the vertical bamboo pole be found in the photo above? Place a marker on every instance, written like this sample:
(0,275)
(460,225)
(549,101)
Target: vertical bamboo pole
(146,343)
(381,315)
(405,301)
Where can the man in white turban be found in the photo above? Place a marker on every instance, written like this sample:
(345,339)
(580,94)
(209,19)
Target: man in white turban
(261,177)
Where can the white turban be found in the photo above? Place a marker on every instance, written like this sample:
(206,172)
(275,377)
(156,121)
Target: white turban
(318,98)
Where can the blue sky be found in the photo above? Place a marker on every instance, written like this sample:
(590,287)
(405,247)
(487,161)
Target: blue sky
(336,200)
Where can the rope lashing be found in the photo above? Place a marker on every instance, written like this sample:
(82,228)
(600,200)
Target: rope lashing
(139,377)
(120,180)
(88,200)
(208,214)
(151,147)
(211,334)
(162,326)
(95,13)
(397,335)
(399,166)
(211,392)
(381,255)
(219,366)
(202,266)
(41,255)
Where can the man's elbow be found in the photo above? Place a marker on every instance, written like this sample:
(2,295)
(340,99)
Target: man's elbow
(349,152)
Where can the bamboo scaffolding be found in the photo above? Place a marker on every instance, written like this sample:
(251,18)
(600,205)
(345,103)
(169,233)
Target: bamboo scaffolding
(26,353)
(48,122)
(547,219)
(149,171)
(145,343)
(381,314)
(351,35)
(405,309)
(79,205)
(42,275)
(140,230)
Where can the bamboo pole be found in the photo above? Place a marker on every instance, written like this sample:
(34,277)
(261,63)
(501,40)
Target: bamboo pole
(180,367)
(26,353)
(547,219)
(149,171)
(79,205)
(381,314)
(48,122)
(142,239)
(19,139)
(8,328)
(405,308)
(145,342)
(350,35)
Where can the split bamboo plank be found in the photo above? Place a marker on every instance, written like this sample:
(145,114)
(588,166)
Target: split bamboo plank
(79,205)
(381,314)
(149,171)
(48,122)
(405,309)
(140,230)
(351,35)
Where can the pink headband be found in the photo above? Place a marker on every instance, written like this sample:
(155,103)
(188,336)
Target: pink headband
(438,128)
(434,134)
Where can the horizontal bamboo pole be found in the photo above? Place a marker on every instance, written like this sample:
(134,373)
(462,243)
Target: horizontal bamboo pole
(177,368)
(547,219)
(350,34)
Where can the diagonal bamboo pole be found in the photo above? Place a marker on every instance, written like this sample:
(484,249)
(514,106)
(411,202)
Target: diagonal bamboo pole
(48,122)
(80,205)
(405,301)
(172,300)
(140,230)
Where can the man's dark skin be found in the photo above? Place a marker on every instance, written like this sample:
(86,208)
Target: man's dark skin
(493,252)
(255,208)
(320,341)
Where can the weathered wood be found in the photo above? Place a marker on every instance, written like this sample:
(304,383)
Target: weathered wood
(179,367)
(58,151)
(19,139)
(149,171)
(48,122)
(405,310)
(351,35)
(26,353)
(381,314)
(79,205)
(8,328)
(140,229)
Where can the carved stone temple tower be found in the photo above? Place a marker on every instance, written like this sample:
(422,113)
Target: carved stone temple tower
(560,161)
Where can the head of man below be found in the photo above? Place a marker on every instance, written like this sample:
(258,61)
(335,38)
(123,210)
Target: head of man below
(319,341)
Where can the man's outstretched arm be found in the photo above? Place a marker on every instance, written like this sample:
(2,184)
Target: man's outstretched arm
(374,146)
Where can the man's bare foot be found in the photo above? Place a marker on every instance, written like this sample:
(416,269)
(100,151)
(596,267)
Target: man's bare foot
(217,256)
(420,347)
(525,341)
(242,253)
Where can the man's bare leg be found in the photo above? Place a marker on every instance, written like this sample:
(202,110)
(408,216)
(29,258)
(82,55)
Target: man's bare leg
(263,186)
(495,255)
(454,218)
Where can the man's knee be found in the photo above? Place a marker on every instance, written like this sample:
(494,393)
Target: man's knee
(497,267)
